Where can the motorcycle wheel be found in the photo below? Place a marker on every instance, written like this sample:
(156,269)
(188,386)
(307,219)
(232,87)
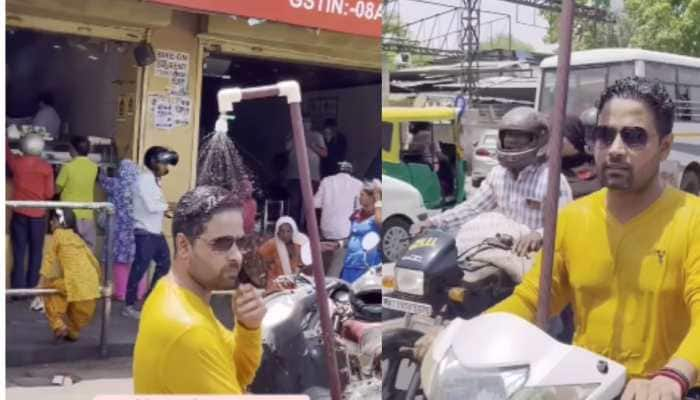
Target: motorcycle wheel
(392,357)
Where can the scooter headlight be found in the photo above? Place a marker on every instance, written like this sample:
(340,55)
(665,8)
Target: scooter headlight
(452,381)
(572,392)
(410,281)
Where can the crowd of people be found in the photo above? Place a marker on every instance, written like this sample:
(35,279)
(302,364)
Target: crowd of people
(348,209)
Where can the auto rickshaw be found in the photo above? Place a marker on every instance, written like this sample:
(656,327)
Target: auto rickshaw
(439,184)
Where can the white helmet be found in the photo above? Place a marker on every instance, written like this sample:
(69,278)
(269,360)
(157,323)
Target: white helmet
(32,144)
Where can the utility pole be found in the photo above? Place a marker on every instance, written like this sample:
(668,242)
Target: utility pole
(469,44)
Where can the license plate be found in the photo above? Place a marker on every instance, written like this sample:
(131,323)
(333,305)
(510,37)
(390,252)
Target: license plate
(407,306)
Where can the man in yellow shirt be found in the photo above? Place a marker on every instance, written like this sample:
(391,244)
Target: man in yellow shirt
(628,257)
(181,347)
(76,182)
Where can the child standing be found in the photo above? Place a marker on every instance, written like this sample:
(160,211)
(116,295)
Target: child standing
(69,266)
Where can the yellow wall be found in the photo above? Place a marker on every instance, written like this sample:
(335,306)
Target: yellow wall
(133,13)
(179,36)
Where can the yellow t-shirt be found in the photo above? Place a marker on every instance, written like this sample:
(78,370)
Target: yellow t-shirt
(76,181)
(67,257)
(634,287)
(182,348)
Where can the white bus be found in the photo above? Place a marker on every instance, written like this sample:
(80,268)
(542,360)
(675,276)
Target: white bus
(593,70)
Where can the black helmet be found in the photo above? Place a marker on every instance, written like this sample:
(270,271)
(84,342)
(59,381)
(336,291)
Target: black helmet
(159,155)
(589,119)
(526,121)
(574,131)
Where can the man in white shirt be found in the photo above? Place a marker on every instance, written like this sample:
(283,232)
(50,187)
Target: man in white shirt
(149,209)
(516,187)
(336,197)
(47,117)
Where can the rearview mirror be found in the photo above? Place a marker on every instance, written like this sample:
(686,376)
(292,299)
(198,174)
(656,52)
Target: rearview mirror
(370,241)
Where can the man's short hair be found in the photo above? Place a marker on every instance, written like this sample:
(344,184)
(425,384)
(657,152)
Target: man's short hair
(46,98)
(650,92)
(197,207)
(81,144)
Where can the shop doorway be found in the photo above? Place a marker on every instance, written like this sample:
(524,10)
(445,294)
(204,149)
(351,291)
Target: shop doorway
(94,85)
(351,98)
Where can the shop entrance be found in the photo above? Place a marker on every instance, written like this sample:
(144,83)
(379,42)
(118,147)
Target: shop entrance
(92,83)
(350,98)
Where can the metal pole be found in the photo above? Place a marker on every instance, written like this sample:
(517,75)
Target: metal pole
(510,35)
(312,228)
(305,178)
(107,280)
(30,292)
(551,204)
(58,204)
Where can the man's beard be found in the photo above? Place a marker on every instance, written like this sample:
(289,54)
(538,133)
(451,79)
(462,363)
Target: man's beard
(227,281)
(617,176)
(621,177)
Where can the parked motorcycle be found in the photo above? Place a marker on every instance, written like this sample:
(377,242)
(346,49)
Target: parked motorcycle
(293,354)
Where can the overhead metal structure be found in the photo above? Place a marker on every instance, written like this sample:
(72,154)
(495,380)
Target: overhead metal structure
(453,30)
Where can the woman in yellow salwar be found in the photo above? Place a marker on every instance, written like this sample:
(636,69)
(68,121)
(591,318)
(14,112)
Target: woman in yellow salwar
(69,266)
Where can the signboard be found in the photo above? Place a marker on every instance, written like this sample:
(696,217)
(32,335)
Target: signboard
(359,17)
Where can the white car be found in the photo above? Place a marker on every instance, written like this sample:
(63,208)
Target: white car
(484,156)
(402,206)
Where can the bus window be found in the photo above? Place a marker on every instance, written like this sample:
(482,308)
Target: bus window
(619,71)
(688,94)
(585,86)
(663,72)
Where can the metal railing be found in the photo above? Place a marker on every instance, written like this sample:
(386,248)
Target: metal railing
(106,288)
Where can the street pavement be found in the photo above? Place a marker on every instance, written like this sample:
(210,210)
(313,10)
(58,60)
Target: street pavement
(30,341)
(90,378)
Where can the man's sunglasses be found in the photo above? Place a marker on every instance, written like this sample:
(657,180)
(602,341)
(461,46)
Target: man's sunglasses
(634,137)
(224,243)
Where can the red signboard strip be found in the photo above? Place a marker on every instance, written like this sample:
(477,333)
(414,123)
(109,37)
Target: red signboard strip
(359,17)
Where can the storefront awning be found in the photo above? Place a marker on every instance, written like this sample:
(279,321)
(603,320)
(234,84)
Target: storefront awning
(358,17)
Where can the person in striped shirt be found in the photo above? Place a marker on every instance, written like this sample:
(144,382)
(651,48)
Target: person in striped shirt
(516,187)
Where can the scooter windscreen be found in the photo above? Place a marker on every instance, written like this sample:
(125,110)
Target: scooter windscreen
(503,357)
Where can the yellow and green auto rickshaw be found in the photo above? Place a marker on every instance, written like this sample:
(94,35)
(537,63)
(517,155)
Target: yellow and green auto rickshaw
(438,177)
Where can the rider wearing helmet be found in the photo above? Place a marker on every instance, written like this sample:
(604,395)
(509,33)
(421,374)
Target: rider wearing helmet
(517,186)
(149,208)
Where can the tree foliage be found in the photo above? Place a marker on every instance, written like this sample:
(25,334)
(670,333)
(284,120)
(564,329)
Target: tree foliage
(501,42)
(671,26)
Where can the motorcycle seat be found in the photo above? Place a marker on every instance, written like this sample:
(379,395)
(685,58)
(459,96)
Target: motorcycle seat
(354,330)
(480,274)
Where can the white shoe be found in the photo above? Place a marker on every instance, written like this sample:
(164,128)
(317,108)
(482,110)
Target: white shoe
(37,304)
(131,312)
